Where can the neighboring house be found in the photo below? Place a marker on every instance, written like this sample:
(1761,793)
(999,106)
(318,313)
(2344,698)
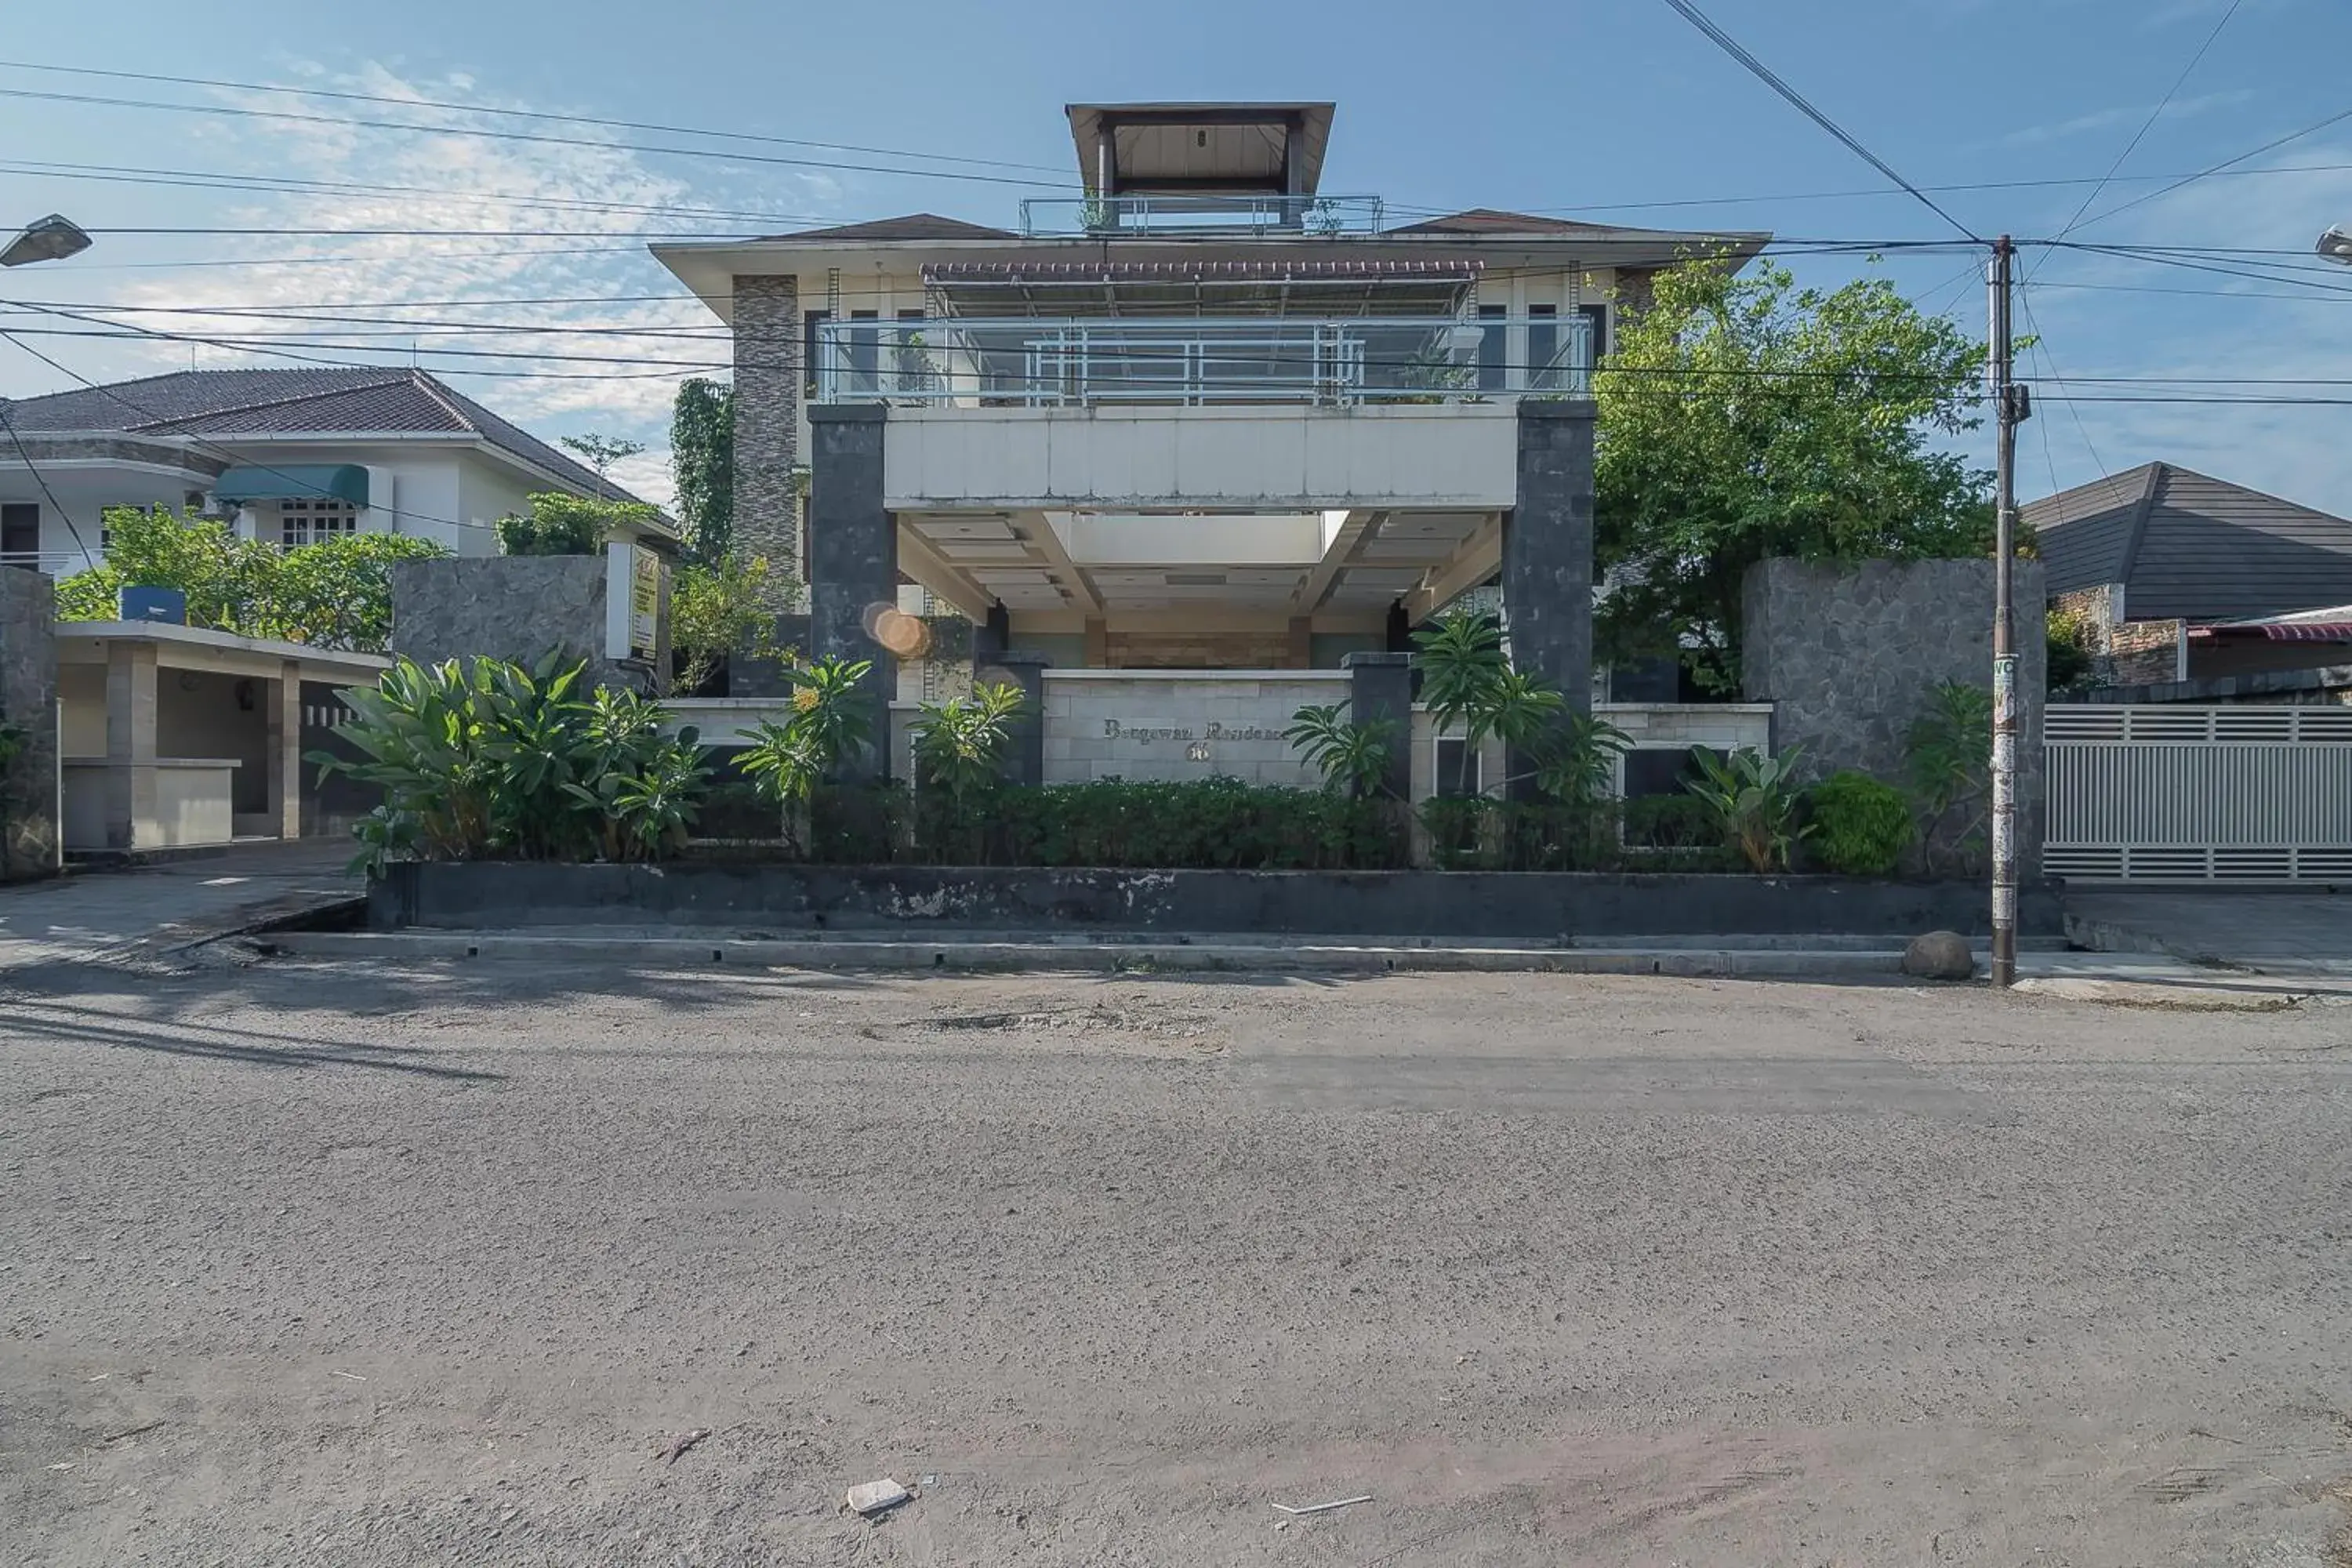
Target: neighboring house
(2154,561)
(290,456)
(1203,416)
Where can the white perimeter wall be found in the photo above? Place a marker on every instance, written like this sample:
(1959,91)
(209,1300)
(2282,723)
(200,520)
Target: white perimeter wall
(1463,455)
(1180,724)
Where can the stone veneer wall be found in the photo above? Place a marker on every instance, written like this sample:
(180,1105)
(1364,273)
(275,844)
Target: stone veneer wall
(1180,726)
(28,700)
(1848,652)
(515,608)
(768,379)
(2127,653)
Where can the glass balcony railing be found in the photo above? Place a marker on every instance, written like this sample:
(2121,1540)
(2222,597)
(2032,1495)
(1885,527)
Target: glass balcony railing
(1044,216)
(1023,361)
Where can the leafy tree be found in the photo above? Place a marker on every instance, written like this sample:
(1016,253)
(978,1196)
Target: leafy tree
(702,461)
(1742,417)
(338,591)
(560,524)
(718,609)
(334,593)
(600,452)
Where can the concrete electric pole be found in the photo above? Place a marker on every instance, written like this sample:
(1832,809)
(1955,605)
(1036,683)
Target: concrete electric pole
(2010,408)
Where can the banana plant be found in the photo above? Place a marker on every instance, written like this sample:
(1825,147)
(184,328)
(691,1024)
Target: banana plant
(1755,800)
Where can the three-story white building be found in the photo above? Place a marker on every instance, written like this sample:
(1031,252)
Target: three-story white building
(1200,414)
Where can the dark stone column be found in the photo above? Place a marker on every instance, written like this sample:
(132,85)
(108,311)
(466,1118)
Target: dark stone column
(994,637)
(1548,549)
(767,374)
(1379,686)
(852,552)
(1024,760)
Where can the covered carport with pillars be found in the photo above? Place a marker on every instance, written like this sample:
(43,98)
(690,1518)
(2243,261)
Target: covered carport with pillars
(172,736)
(1210,537)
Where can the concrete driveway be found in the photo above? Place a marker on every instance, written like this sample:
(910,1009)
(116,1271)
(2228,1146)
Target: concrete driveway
(117,914)
(2268,931)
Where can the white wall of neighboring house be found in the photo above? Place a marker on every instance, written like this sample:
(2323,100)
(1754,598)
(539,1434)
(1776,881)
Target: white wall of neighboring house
(71,536)
(450,493)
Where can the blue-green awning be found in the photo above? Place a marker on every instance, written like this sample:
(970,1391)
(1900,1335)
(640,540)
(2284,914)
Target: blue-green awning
(295,482)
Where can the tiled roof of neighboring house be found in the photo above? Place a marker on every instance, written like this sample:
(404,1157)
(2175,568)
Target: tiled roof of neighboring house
(914,225)
(2191,547)
(1492,220)
(1273,271)
(350,400)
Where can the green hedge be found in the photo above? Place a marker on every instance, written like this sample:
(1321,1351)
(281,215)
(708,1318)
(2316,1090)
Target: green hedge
(1861,827)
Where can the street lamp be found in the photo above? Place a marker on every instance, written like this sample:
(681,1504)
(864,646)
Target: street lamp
(52,239)
(2336,245)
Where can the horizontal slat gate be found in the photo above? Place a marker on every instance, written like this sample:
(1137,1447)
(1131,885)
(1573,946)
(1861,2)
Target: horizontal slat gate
(2177,793)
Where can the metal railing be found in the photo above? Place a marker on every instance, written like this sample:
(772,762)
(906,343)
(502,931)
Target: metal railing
(1023,361)
(56,563)
(2168,793)
(1046,216)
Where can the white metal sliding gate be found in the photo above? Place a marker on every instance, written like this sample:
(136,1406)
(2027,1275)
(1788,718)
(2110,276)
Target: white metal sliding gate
(2159,793)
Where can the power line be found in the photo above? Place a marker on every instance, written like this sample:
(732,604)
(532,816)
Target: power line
(114,395)
(1962,188)
(291,116)
(1730,45)
(289,186)
(2225,163)
(543,116)
(2153,116)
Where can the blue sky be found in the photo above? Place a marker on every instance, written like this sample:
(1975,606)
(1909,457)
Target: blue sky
(1590,107)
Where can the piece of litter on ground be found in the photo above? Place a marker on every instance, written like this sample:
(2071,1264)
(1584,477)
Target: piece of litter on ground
(355,1377)
(681,1443)
(1323,1506)
(130,1432)
(64,1467)
(870,1497)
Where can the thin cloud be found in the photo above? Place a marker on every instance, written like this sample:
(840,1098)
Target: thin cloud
(552,398)
(2129,114)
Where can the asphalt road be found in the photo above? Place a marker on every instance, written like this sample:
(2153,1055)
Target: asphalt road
(345,1265)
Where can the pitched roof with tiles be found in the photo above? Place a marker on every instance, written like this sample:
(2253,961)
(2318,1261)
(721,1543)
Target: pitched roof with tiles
(353,401)
(1494,220)
(913,225)
(2188,547)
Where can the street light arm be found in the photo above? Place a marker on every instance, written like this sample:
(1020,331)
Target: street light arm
(2336,245)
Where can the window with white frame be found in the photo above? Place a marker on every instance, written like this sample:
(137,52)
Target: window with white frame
(307,519)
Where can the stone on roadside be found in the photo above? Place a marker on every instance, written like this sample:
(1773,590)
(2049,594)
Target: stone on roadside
(1939,956)
(872,1497)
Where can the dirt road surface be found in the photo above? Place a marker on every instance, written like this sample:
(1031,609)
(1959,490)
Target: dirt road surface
(320,1264)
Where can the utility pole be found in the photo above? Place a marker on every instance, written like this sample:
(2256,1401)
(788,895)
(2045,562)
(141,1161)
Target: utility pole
(2009,409)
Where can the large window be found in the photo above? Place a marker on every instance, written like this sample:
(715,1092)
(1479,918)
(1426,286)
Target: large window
(307,521)
(20,532)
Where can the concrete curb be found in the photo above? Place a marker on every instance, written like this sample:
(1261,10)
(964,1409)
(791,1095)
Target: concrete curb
(702,953)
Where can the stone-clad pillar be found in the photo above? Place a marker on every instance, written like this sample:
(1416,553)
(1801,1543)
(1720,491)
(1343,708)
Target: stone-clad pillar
(29,827)
(1379,686)
(768,373)
(284,726)
(852,550)
(130,743)
(1548,549)
(1024,759)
